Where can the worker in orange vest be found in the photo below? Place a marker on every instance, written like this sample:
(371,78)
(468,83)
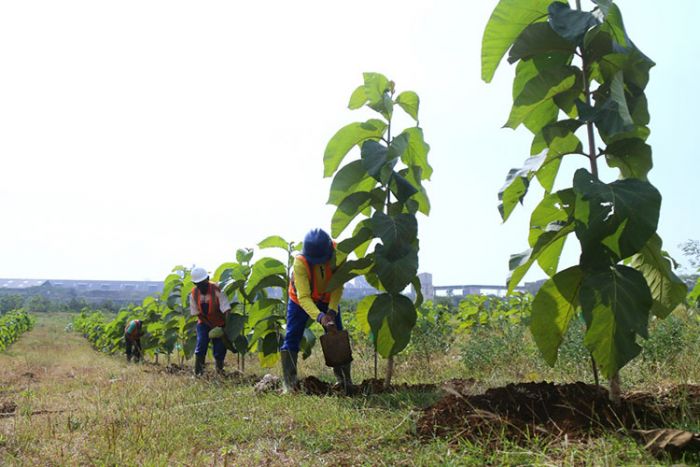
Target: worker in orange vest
(308,299)
(132,338)
(211,307)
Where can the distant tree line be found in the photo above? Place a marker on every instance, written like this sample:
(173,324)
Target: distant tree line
(40,304)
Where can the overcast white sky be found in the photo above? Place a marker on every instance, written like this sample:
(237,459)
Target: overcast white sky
(137,135)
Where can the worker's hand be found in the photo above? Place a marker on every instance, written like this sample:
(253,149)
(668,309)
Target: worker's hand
(327,319)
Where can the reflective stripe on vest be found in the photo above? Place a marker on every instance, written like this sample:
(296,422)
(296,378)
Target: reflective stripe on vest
(316,292)
(213,317)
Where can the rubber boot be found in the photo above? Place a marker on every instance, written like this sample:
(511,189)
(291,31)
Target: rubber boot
(220,367)
(289,371)
(198,364)
(342,374)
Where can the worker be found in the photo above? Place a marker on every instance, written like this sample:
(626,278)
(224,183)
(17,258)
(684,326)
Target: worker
(132,338)
(308,299)
(211,308)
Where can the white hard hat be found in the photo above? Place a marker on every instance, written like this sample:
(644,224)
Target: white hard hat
(199,274)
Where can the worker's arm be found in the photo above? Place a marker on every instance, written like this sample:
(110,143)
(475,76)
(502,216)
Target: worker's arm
(303,286)
(194,309)
(224,304)
(336,295)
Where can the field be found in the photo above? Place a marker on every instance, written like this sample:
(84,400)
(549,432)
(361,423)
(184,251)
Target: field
(66,404)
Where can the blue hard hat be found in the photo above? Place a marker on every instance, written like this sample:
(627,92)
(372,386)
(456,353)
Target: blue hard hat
(318,246)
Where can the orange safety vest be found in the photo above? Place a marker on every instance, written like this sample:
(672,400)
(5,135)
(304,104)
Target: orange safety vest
(317,290)
(214,317)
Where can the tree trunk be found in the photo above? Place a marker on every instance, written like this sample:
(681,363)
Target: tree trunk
(389,371)
(615,388)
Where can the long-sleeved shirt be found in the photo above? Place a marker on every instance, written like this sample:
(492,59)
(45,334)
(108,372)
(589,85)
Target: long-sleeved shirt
(303,286)
(224,304)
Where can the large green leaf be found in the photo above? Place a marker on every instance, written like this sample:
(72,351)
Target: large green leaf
(274,241)
(272,281)
(362,313)
(409,101)
(537,39)
(235,323)
(391,318)
(610,114)
(358,98)
(667,290)
(377,90)
(413,176)
(556,140)
(348,209)
(349,179)
(348,137)
(264,268)
(359,238)
(416,153)
(401,187)
(554,211)
(547,249)
(244,255)
(694,295)
(268,349)
(348,271)
(517,183)
(376,162)
(508,20)
(418,289)
(376,84)
(614,25)
(401,227)
(232,272)
(546,84)
(554,208)
(631,156)
(615,303)
(533,92)
(622,215)
(570,24)
(396,265)
(552,310)
(362,248)
(308,341)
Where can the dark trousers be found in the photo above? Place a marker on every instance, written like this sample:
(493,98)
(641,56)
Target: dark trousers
(203,343)
(133,348)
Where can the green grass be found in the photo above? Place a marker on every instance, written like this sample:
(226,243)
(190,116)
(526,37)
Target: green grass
(107,413)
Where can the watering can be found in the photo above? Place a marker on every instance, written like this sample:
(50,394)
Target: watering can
(336,347)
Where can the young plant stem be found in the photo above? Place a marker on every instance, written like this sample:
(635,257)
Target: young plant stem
(587,95)
(615,379)
(594,367)
(390,360)
(375,358)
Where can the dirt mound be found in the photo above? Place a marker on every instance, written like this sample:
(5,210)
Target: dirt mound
(175,369)
(522,409)
(576,410)
(7,407)
(311,385)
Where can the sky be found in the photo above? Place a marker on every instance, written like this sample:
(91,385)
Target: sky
(140,135)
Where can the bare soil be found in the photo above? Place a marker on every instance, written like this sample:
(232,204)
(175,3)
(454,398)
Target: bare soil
(575,410)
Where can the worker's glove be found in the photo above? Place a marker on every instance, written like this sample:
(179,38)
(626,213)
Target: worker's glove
(327,319)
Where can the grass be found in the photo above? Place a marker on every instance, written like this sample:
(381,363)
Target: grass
(99,410)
